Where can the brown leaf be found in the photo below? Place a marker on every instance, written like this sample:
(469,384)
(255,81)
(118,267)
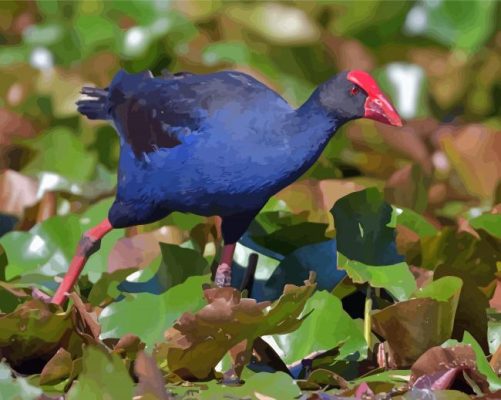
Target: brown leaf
(241,355)
(495,361)
(129,345)
(13,125)
(57,368)
(438,358)
(324,377)
(197,342)
(348,53)
(464,226)
(151,382)
(33,332)
(17,192)
(409,141)
(475,153)
(441,367)
(88,321)
(408,187)
(140,250)
(448,77)
(316,196)
(470,313)
(495,301)
(413,326)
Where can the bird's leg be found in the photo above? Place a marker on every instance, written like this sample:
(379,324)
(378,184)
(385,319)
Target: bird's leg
(223,272)
(89,244)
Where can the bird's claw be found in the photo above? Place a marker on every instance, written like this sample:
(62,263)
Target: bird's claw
(223,275)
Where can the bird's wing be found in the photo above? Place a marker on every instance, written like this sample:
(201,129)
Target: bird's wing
(153,113)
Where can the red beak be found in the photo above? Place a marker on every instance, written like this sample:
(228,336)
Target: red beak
(377,106)
(380,109)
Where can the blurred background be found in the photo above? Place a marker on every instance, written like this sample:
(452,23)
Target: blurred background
(440,62)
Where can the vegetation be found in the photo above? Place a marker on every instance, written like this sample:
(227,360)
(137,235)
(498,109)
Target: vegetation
(378,273)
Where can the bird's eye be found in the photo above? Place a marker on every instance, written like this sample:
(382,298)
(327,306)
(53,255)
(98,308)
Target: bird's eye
(354,90)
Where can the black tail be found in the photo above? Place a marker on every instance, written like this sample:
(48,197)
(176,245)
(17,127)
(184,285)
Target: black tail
(97,107)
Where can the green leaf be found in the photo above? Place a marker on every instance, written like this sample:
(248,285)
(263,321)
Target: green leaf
(106,286)
(363,228)
(261,19)
(98,262)
(396,279)
(376,23)
(494,332)
(184,221)
(49,246)
(442,289)
(464,25)
(415,222)
(179,264)
(95,32)
(147,315)
(15,389)
(318,333)
(33,330)
(45,34)
(459,251)
(491,223)
(235,52)
(392,376)
(287,239)
(13,54)
(103,376)
(276,385)
(62,152)
(295,268)
(176,265)
(144,12)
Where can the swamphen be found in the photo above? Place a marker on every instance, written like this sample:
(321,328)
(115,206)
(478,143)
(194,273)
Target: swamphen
(217,144)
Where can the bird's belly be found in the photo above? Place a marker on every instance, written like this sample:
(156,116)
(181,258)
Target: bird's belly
(226,182)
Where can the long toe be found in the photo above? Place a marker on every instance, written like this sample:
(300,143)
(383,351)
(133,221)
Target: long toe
(223,275)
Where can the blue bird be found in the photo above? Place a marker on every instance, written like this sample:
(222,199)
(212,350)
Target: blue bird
(216,144)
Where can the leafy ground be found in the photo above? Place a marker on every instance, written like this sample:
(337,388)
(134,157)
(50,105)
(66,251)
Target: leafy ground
(378,274)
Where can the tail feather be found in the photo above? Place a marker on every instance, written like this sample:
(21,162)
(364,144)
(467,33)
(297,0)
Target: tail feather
(96,106)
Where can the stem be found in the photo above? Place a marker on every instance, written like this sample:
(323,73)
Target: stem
(250,271)
(368,318)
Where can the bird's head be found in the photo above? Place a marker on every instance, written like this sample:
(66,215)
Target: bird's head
(355,94)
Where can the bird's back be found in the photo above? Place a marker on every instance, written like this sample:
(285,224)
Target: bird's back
(152,113)
(202,143)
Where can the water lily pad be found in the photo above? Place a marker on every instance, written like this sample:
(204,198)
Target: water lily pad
(148,315)
(319,332)
(103,376)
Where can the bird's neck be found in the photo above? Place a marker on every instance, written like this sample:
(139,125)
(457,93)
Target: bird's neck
(311,127)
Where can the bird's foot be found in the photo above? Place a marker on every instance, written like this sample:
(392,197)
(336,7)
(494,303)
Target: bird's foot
(223,275)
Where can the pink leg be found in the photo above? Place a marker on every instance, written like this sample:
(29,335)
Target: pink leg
(223,272)
(88,245)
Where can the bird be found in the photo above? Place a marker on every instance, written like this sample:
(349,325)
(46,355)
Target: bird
(217,144)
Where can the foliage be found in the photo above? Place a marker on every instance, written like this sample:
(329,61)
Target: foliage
(401,226)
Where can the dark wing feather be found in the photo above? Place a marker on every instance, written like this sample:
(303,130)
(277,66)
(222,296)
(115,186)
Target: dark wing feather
(134,102)
(152,113)
(141,126)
